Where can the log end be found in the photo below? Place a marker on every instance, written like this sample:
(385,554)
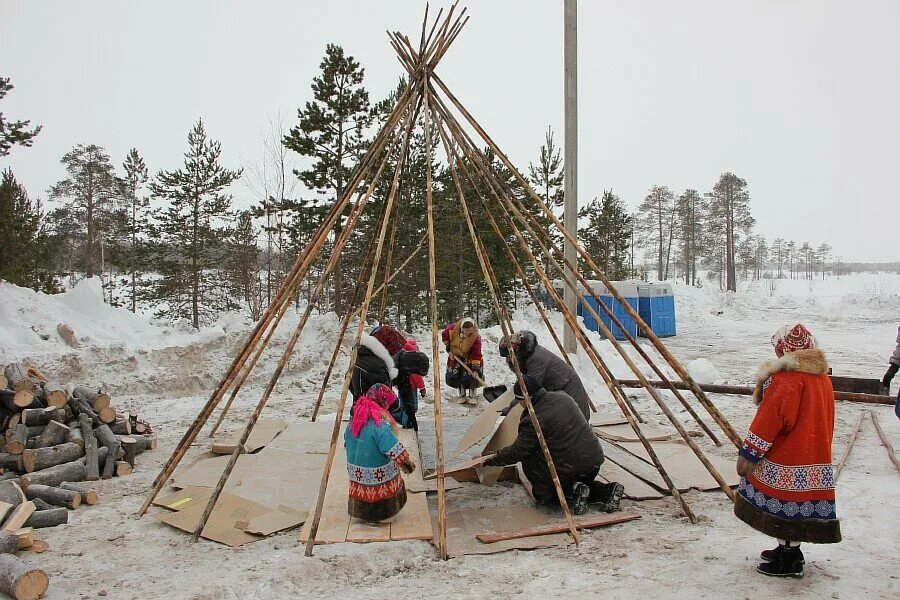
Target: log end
(57,399)
(27,460)
(107,415)
(90,497)
(23,398)
(31,585)
(123,468)
(15,447)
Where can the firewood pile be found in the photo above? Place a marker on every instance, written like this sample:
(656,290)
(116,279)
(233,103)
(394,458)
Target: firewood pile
(58,438)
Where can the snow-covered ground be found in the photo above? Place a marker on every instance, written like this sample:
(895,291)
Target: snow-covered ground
(167,373)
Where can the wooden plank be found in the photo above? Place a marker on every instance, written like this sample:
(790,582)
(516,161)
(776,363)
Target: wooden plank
(335,520)
(363,532)
(413,522)
(587,523)
(603,419)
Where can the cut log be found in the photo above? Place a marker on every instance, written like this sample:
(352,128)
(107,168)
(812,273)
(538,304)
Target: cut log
(55,394)
(17,441)
(121,426)
(9,475)
(7,400)
(9,542)
(70,471)
(20,581)
(43,458)
(35,430)
(54,495)
(144,442)
(108,439)
(38,545)
(130,446)
(75,434)
(25,537)
(11,493)
(26,399)
(123,468)
(81,407)
(96,399)
(41,416)
(89,495)
(41,504)
(5,507)
(17,377)
(15,419)
(140,427)
(107,415)
(19,515)
(92,466)
(48,518)
(55,433)
(10,462)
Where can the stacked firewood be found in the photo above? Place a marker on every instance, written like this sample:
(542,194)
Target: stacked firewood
(55,436)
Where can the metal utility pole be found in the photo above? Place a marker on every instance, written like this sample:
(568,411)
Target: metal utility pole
(570,184)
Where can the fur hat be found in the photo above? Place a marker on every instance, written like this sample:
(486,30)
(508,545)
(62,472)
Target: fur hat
(791,338)
(523,342)
(412,362)
(389,337)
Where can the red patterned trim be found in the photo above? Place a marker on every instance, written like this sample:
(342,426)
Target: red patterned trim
(376,493)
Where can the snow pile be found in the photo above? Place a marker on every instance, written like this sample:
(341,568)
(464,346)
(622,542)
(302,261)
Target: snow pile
(702,370)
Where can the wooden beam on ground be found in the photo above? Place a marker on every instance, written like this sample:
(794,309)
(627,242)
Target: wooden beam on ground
(850,442)
(587,523)
(885,441)
(742,390)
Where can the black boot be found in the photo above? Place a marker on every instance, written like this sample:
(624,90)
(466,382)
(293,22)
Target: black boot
(786,562)
(579,500)
(607,495)
(770,555)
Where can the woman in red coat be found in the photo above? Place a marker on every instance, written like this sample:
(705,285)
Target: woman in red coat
(787,480)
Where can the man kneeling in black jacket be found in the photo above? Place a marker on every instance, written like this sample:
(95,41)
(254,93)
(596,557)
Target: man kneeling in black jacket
(574,447)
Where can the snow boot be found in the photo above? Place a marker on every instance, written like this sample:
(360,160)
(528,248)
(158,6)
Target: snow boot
(611,504)
(579,501)
(472,400)
(787,562)
(770,555)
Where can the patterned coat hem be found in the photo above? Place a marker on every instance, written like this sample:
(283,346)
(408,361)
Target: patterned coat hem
(814,531)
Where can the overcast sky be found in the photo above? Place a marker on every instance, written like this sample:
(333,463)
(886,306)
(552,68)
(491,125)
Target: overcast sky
(798,97)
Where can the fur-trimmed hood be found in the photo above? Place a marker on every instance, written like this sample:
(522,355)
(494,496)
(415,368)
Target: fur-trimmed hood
(378,349)
(810,361)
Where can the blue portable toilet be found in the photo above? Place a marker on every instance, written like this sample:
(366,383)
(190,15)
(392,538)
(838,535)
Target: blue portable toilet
(657,308)
(629,292)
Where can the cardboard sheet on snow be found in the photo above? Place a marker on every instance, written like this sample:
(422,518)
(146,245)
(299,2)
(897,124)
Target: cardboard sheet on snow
(221,526)
(504,436)
(624,433)
(680,462)
(604,418)
(464,525)
(184,498)
(206,472)
(263,433)
(284,517)
(484,424)
(635,488)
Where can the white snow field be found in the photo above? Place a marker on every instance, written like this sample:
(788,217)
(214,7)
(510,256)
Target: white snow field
(167,373)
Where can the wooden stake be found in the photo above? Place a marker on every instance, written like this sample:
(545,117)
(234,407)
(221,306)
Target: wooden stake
(853,435)
(885,441)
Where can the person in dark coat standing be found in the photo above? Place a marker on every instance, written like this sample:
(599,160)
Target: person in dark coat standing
(410,364)
(549,370)
(574,447)
(374,364)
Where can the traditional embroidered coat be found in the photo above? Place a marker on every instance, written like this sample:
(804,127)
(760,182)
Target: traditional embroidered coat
(790,493)
(373,463)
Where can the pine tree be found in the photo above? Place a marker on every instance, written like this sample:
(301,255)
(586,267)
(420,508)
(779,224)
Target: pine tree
(762,255)
(824,253)
(729,206)
(90,192)
(243,266)
(689,208)
(14,132)
(656,221)
(332,131)
(20,230)
(192,230)
(807,257)
(136,175)
(791,249)
(778,253)
(547,177)
(607,235)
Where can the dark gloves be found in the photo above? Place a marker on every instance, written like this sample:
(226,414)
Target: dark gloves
(411,422)
(889,375)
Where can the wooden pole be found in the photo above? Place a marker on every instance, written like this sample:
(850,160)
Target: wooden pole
(570,150)
(740,390)
(505,323)
(435,353)
(853,435)
(598,363)
(660,347)
(885,441)
(329,460)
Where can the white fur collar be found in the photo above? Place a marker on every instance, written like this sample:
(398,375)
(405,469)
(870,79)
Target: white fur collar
(381,352)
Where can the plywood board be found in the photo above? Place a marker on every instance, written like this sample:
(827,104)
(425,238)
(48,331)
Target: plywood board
(414,521)
(363,532)
(335,520)
(464,525)
(684,467)
(430,485)
(276,520)
(484,424)
(206,473)
(221,526)
(184,498)
(635,488)
(263,433)
(504,436)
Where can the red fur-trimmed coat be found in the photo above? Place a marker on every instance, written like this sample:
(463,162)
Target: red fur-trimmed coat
(788,489)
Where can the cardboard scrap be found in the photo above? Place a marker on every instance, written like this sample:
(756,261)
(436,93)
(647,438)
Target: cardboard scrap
(635,488)
(263,433)
(624,433)
(505,435)
(601,419)
(184,498)
(484,424)
(284,517)
(206,473)
(221,526)
(464,525)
